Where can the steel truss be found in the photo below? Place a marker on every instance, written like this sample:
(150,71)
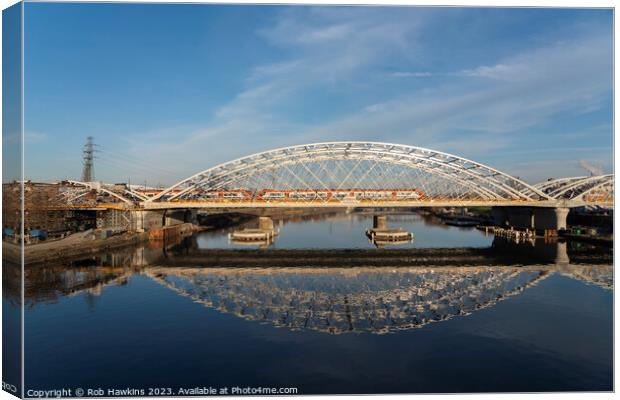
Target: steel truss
(581,188)
(356,165)
(72,192)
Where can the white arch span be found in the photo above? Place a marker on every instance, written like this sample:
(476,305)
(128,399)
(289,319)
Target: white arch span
(483,181)
(576,188)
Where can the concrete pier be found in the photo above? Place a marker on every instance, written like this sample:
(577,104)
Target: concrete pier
(145,220)
(547,220)
(382,235)
(264,233)
(379,222)
(265,223)
(551,218)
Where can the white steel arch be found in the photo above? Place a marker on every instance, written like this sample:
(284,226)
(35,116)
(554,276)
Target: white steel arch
(548,185)
(469,177)
(579,188)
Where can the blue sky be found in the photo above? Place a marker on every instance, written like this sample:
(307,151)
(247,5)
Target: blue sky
(169,90)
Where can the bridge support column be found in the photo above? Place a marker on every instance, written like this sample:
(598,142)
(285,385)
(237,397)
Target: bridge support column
(379,222)
(551,218)
(176,217)
(548,220)
(145,220)
(265,224)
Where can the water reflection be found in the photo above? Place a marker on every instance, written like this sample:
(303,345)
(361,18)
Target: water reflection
(261,244)
(338,230)
(338,300)
(324,319)
(304,290)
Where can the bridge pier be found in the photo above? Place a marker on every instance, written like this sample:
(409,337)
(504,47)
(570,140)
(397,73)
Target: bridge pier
(177,217)
(145,220)
(551,218)
(379,222)
(265,224)
(541,219)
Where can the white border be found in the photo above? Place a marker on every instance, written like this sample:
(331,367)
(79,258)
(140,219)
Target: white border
(481,3)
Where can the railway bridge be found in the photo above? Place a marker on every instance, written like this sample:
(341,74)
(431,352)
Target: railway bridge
(363,175)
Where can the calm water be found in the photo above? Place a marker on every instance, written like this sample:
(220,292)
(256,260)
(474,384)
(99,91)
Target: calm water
(458,321)
(347,231)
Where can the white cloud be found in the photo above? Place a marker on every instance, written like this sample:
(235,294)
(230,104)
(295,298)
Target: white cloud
(407,74)
(330,33)
(568,78)
(336,49)
(499,71)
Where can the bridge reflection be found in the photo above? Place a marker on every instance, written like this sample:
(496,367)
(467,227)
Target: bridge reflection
(382,291)
(339,300)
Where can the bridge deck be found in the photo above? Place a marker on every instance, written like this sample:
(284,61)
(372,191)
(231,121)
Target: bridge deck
(359,204)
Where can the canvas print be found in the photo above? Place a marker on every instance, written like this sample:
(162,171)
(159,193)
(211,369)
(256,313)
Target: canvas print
(284,200)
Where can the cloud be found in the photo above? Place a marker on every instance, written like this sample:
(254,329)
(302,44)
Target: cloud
(407,74)
(330,33)
(499,71)
(323,51)
(514,95)
(559,62)
(558,165)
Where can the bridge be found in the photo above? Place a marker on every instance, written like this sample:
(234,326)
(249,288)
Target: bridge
(362,175)
(369,174)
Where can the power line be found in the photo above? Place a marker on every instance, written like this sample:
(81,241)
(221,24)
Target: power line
(123,167)
(136,163)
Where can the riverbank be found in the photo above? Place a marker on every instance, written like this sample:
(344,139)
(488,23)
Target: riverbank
(70,247)
(83,244)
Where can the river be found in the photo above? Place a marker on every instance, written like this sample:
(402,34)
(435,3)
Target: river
(453,310)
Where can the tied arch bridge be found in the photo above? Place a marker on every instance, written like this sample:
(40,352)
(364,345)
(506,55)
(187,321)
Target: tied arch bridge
(369,175)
